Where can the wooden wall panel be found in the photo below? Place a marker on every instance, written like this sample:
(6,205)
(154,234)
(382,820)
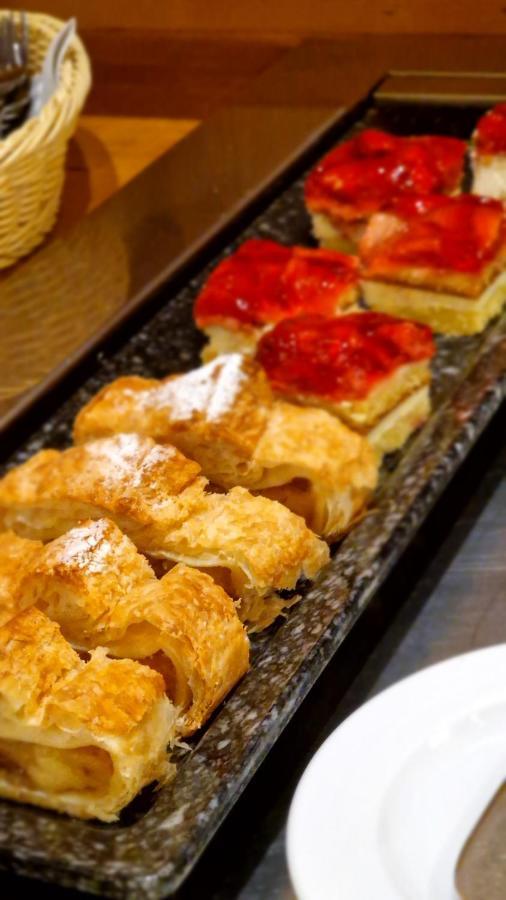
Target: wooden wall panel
(298,17)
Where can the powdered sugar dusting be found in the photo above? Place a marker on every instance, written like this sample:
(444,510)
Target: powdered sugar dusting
(209,391)
(129,456)
(86,547)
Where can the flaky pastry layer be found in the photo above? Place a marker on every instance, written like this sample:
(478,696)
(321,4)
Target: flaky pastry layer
(78,737)
(323,471)
(156,496)
(316,466)
(17,555)
(93,582)
(270,545)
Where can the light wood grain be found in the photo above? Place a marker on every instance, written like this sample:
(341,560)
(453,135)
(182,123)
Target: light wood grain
(107,152)
(300,17)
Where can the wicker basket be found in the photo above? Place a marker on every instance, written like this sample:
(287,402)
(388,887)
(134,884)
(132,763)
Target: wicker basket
(32,158)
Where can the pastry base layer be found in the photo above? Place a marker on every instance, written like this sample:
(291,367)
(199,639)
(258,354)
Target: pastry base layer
(364,415)
(489,176)
(446,313)
(222,340)
(328,235)
(392,432)
(230,340)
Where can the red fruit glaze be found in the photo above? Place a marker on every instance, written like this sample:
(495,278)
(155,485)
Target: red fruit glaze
(342,358)
(490,133)
(264,282)
(456,234)
(364,174)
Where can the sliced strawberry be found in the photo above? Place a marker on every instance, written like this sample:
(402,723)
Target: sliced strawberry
(341,358)
(454,234)
(263,282)
(490,133)
(367,172)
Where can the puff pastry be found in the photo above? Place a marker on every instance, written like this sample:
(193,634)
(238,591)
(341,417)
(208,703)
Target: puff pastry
(102,592)
(17,555)
(77,737)
(253,546)
(224,416)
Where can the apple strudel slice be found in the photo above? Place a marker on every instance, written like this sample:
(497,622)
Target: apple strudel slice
(17,555)
(224,416)
(102,592)
(253,546)
(78,737)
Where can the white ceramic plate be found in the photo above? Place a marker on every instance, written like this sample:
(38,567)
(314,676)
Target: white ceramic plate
(385,806)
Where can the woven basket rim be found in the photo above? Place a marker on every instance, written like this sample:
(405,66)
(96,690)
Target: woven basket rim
(44,130)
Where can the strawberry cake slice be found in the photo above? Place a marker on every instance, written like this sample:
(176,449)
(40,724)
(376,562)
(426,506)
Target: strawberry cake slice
(262,283)
(439,260)
(489,154)
(369,369)
(364,174)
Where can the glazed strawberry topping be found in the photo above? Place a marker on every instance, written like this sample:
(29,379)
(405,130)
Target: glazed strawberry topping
(264,282)
(490,133)
(456,234)
(364,174)
(341,358)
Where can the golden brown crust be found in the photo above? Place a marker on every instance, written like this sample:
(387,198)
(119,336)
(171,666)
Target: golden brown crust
(202,612)
(127,474)
(41,673)
(223,416)
(102,592)
(221,402)
(261,544)
(304,446)
(91,581)
(107,696)
(16,556)
(128,477)
(78,737)
(33,658)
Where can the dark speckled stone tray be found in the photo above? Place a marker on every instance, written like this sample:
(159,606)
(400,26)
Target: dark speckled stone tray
(160,837)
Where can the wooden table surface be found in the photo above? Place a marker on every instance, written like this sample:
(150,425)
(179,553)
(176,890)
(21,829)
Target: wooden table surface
(447,596)
(171,83)
(107,152)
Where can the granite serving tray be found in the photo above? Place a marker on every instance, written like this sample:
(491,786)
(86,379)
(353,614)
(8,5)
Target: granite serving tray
(161,835)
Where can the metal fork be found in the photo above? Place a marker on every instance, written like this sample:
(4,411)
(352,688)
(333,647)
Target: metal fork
(14,75)
(14,49)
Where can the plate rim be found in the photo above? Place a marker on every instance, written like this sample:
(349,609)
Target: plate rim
(300,805)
